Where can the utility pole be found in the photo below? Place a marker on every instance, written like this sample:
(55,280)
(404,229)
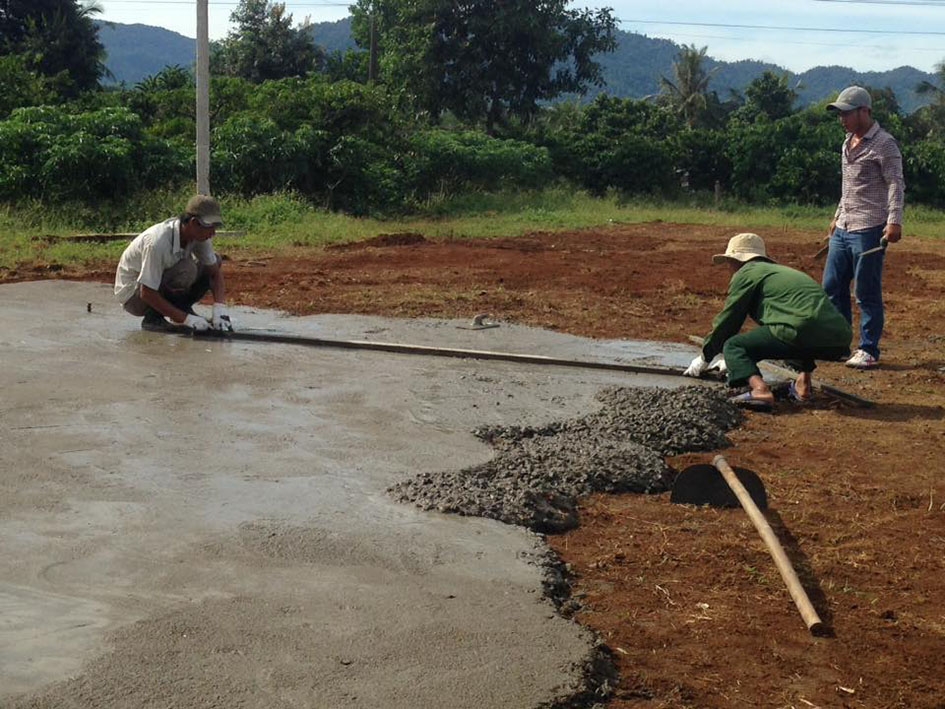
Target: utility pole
(372,57)
(203,99)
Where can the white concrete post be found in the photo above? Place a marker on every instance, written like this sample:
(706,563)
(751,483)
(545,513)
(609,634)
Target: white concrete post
(203,99)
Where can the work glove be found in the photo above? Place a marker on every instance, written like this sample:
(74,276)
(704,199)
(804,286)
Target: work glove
(697,367)
(196,322)
(718,364)
(221,319)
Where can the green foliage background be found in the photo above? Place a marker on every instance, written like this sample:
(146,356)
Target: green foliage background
(399,146)
(349,146)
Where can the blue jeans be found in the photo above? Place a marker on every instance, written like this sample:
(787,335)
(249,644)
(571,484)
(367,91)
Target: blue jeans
(844,266)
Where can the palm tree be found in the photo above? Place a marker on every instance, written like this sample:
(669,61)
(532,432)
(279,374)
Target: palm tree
(60,40)
(169,78)
(688,92)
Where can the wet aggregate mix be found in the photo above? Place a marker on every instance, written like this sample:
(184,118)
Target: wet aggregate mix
(539,472)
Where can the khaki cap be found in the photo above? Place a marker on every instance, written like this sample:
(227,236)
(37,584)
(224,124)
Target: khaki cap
(850,98)
(205,209)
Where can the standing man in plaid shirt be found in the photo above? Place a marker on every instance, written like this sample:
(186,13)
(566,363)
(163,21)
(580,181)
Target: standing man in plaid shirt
(868,217)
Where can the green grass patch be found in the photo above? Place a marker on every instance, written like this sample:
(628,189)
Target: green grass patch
(280,222)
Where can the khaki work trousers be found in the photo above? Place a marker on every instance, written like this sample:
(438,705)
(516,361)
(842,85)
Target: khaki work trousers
(176,285)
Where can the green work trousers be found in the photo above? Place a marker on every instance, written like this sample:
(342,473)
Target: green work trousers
(743,352)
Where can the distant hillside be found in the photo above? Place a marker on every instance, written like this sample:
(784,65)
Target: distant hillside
(818,82)
(135,52)
(334,36)
(632,71)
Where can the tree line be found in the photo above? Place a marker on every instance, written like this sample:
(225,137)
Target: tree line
(440,98)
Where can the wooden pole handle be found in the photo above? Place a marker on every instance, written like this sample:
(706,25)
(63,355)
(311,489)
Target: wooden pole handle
(813,621)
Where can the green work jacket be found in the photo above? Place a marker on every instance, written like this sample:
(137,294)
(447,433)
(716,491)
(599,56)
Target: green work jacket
(790,303)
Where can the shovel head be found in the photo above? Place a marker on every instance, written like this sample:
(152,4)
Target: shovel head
(704,485)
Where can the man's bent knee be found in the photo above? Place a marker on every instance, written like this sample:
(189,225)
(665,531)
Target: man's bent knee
(180,277)
(135,306)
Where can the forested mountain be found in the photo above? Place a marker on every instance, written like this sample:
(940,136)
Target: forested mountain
(138,51)
(632,71)
(334,36)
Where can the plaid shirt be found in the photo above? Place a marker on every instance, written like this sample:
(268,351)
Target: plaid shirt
(873,188)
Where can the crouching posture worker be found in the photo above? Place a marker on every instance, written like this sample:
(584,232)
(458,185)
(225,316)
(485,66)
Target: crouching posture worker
(170,266)
(796,323)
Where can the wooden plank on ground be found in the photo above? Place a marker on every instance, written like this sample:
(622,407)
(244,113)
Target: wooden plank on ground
(105,238)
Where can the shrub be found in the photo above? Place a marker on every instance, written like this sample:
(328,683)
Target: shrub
(924,168)
(251,155)
(793,159)
(362,177)
(702,159)
(444,162)
(51,153)
(631,164)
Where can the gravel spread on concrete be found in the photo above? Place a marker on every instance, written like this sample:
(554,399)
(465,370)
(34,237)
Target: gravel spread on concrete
(539,472)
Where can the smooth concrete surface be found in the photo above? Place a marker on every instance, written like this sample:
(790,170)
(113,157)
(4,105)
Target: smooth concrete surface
(192,519)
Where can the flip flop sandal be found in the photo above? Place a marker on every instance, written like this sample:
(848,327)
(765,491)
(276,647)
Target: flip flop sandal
(797,398)
(747,401)
(483,321)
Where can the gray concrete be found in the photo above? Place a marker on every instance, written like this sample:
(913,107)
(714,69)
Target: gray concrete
(188,519)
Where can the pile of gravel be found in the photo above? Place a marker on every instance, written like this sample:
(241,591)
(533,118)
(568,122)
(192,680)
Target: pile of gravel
(670,421)
(539,472)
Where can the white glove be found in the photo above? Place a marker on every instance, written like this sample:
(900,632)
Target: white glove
(698,366)
(221,319)
(718,364)
(198,323)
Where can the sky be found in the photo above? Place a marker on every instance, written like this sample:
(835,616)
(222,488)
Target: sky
(865,35)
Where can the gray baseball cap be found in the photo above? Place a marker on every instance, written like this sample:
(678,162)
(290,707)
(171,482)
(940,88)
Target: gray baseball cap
(850,98)
(205,208)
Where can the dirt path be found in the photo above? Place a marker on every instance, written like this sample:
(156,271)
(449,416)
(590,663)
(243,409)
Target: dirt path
(688,600)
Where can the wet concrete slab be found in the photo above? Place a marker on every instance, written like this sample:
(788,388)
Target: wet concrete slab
(200,518)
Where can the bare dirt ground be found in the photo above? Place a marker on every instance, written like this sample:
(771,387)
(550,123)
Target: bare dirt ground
(687,599)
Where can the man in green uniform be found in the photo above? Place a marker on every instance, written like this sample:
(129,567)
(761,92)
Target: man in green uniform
(796,323)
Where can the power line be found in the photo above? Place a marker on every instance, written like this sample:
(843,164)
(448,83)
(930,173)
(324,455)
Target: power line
(231,3)
(718,25)
(781,28)
(904,3)
(729,38)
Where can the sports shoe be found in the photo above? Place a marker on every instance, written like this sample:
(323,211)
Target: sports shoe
(862,359)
